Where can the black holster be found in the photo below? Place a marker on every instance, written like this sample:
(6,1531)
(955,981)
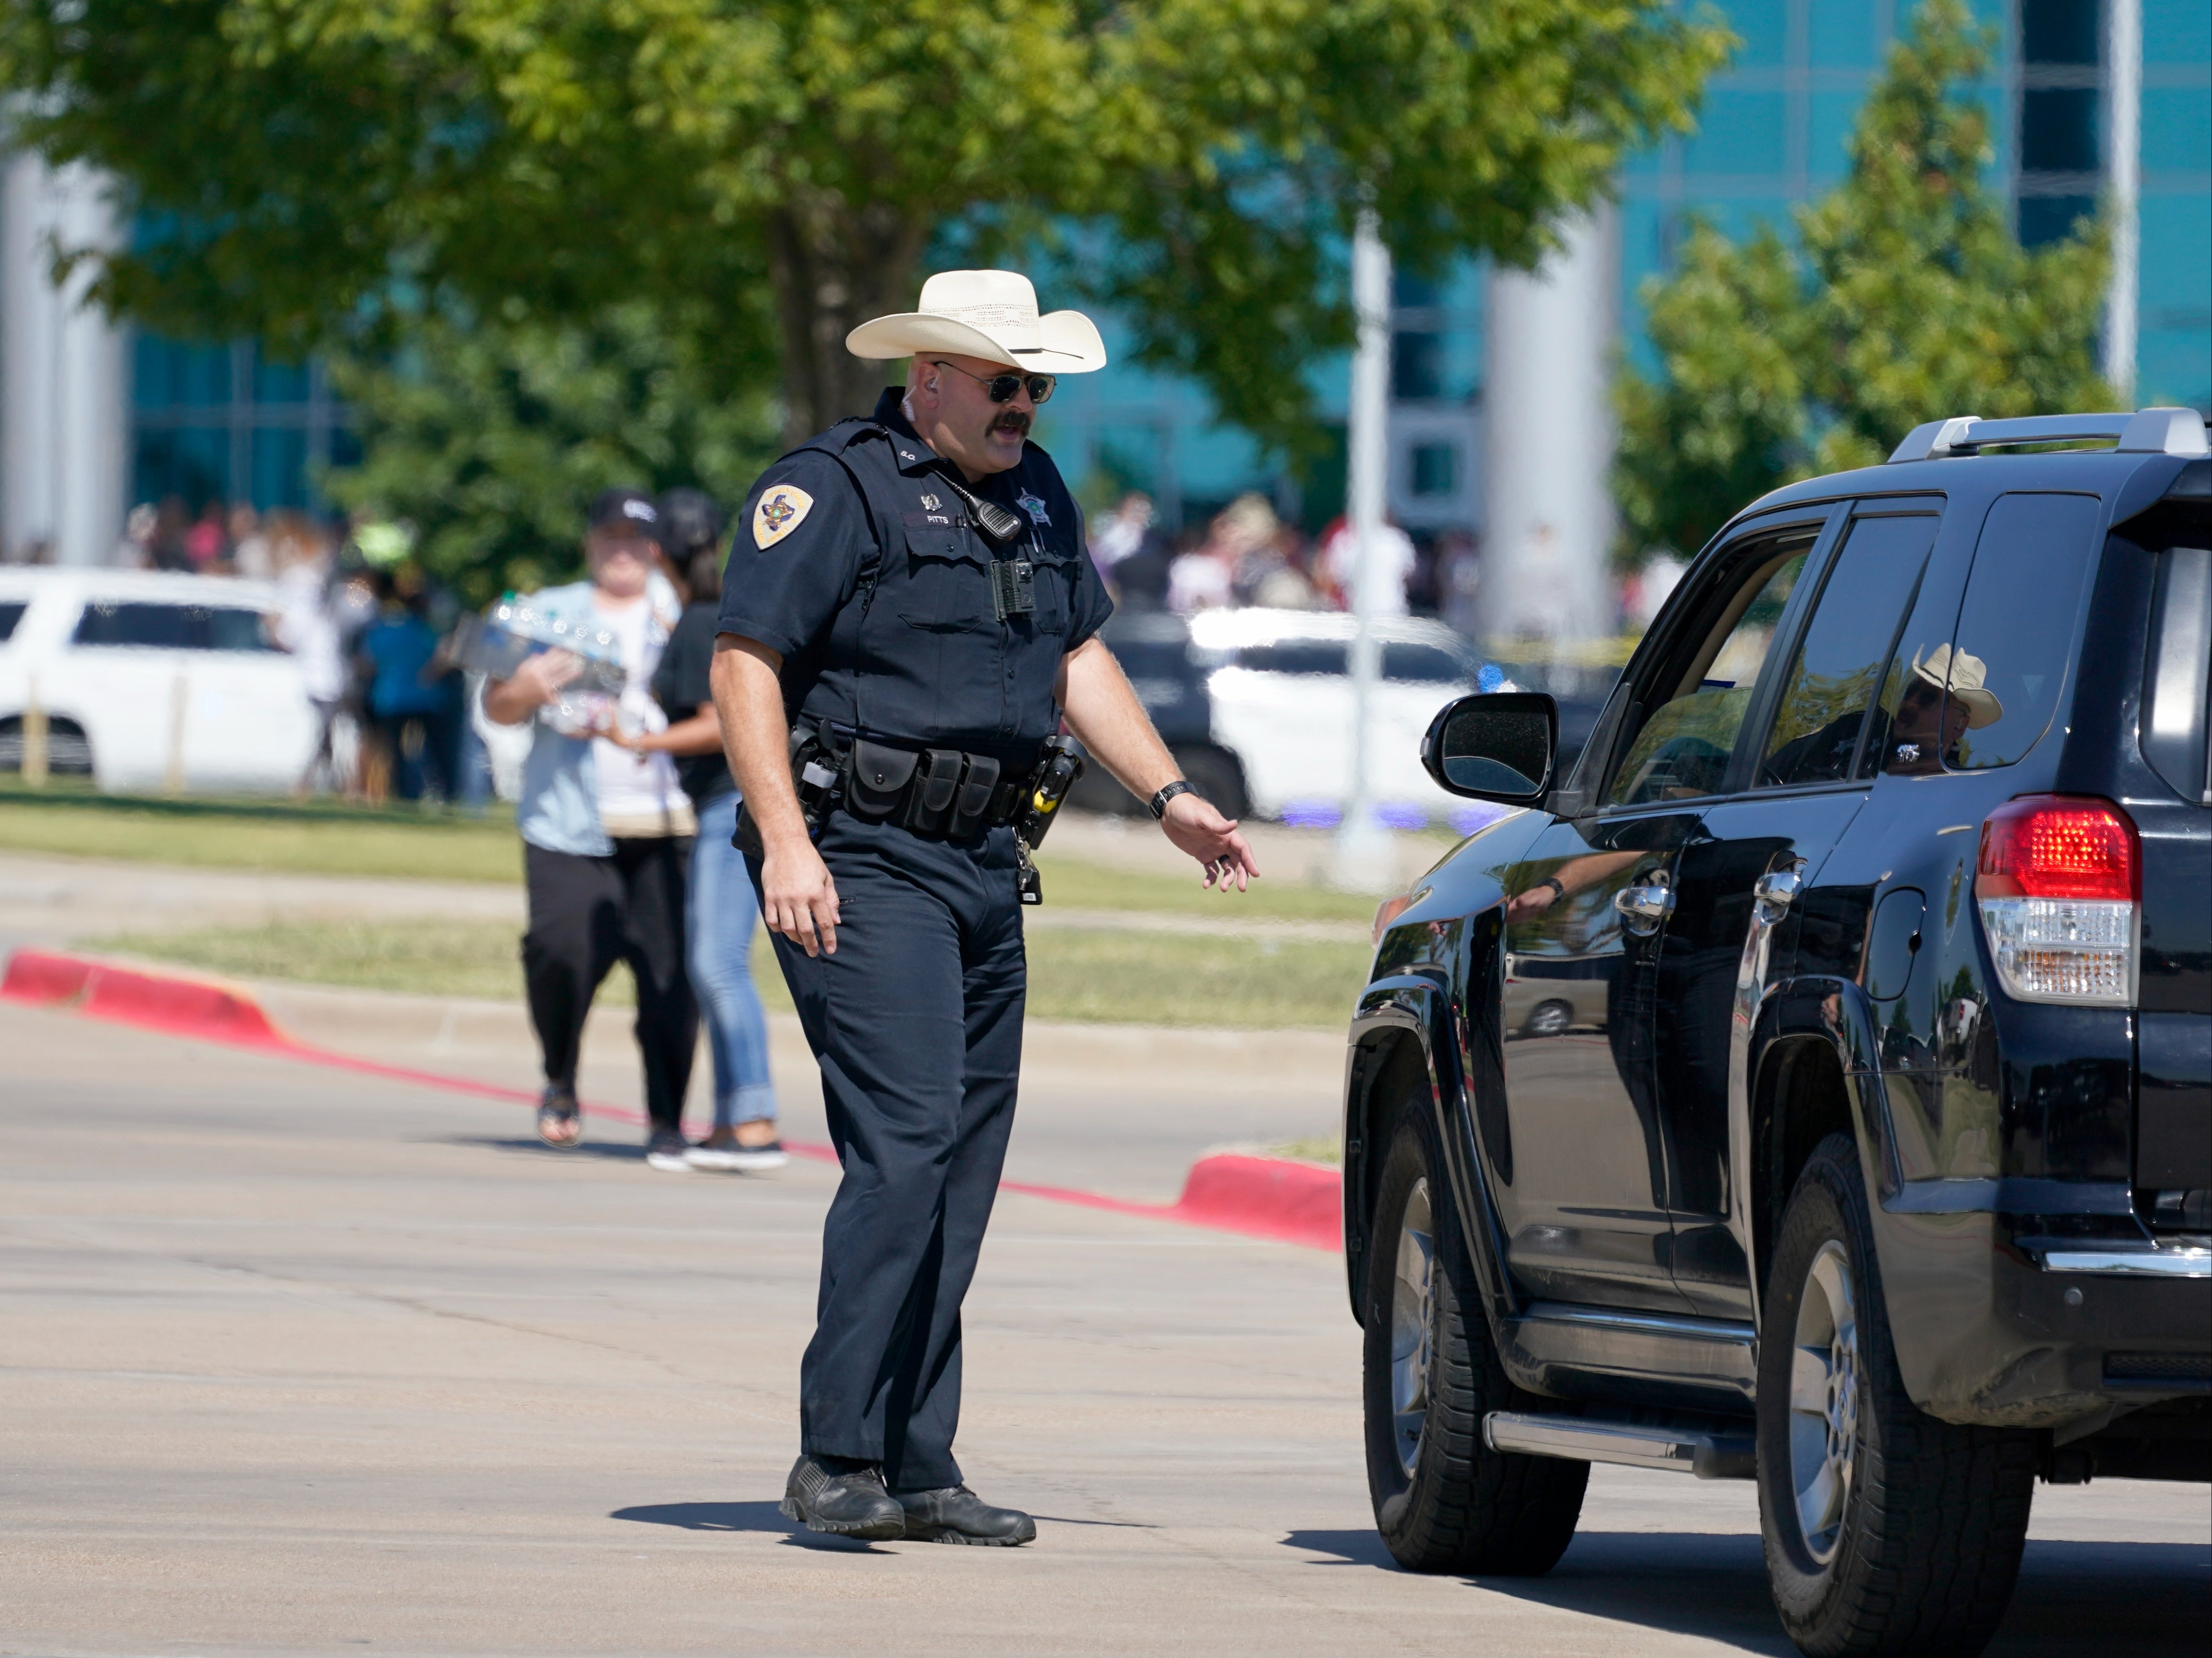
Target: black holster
(817,777)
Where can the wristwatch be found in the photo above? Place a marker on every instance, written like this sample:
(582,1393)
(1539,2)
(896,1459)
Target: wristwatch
(1158,803)
(1552,882)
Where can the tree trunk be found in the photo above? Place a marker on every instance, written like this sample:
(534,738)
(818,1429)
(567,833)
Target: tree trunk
(835,267)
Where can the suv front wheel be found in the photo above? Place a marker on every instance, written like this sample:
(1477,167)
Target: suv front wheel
(1443,1500)
(1886,1531)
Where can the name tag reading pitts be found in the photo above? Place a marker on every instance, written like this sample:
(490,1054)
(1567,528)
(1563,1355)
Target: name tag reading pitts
(1013,586)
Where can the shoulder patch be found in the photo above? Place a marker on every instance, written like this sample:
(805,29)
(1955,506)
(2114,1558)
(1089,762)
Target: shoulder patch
(783,508)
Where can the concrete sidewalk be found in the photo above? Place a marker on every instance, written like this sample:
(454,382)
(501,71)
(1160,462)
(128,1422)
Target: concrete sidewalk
(300,1362)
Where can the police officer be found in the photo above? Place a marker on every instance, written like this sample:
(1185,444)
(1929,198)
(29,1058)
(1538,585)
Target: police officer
(908,607)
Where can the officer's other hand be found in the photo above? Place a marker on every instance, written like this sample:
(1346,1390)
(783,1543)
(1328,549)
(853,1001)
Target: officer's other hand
(1195,826)
(797,897)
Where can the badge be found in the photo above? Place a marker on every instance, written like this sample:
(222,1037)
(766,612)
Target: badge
(1034,507)
(930,503)
(782,509)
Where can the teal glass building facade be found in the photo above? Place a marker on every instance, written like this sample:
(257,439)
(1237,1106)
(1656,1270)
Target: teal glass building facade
(1772,135)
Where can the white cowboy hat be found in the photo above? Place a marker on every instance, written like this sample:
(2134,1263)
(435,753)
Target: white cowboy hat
(1967,678)
(991,314)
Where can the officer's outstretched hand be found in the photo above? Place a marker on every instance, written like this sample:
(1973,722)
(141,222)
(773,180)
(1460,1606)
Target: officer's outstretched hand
(797,897)
(1194,825)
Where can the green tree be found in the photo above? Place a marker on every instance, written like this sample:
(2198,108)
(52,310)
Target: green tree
(1905,298)
(1195,164)
(490,437)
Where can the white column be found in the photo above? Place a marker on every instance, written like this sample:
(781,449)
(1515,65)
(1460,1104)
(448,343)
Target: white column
(2123,183)
(1363,847)
(64,410)
(1549,422)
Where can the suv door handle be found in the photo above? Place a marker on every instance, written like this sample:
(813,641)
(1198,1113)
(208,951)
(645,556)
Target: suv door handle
(1642,908)
(1773,893)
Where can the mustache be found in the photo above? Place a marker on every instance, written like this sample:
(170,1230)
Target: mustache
(1012,420)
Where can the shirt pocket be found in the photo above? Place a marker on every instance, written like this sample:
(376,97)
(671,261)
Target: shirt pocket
(1053,584)
(947,584)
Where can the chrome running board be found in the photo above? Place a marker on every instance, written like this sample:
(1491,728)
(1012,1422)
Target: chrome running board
(1710,1453)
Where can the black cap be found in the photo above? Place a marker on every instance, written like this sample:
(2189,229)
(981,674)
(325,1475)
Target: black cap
(689,520)
(625,509)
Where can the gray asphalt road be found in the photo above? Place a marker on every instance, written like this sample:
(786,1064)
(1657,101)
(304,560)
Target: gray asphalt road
(300,1361)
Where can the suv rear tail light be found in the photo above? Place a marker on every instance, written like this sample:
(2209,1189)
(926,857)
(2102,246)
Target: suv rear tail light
(2058,884)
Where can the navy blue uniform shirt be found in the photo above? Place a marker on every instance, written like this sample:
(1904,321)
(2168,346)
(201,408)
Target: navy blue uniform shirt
(856,563)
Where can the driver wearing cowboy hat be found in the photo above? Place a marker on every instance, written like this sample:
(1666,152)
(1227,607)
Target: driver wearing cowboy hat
(910,593)
(1923,735)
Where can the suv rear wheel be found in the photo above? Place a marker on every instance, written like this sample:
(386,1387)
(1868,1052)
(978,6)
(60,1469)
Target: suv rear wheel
(1886,1531)
(1443,1500)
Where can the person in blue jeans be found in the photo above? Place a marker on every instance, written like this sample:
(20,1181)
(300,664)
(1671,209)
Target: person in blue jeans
(719,924)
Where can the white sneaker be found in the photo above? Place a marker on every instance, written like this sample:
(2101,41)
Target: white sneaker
(666,1151)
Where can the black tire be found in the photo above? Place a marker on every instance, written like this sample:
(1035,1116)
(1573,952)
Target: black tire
(1919,1553)
(1216,775)
(1463,1507)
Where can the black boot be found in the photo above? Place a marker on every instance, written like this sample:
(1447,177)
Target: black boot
(953,1514)
(846,1498)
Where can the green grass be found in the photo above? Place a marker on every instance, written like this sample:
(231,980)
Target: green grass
(1322,1148)
(315,838)
(1080,885)
(1094,974)
(325,838)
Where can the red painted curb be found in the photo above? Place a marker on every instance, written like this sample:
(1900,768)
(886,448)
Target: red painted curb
(1230,1192)
(1267,1198)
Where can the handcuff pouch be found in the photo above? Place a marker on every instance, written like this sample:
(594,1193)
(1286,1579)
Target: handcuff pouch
(876,777)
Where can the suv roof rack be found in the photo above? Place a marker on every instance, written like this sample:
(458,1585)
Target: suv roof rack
(2146,432)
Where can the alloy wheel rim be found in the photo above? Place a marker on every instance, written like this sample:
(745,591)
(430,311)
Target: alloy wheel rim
(1411,1302)
(1824,1401)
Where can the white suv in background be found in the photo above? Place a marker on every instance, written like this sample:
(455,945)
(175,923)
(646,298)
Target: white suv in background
(1257,706)
(150,680)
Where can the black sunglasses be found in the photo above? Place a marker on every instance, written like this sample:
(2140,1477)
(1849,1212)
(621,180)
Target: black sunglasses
(1002,387)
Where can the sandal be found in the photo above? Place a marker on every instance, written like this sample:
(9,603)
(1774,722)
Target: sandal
(560,1124)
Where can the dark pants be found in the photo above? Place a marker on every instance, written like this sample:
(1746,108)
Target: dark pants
(587,914)
(917,1023)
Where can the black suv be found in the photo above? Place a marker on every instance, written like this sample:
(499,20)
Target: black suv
(1816,1087)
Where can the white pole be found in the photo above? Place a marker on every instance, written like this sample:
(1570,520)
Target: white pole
(1364,848)
(2123,143)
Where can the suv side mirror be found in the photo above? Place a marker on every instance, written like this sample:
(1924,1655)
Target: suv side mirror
(1499,747)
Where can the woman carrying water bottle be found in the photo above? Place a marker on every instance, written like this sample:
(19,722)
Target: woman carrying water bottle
(723,906)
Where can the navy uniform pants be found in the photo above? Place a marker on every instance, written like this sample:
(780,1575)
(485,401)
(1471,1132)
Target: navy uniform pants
(916,1022)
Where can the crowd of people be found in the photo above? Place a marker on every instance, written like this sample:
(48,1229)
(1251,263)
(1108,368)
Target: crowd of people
(1247,555)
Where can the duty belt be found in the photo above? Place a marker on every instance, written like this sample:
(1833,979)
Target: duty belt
(942,793)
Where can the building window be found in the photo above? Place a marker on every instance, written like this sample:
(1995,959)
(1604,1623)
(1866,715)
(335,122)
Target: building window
(227,424)
(1436,468)
(2061,114)
(1417,367)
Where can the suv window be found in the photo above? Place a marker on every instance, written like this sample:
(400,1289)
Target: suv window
(1869,586)
(2177,672)
(2015,631)
(10,614)
(172,626)
(1297,656)
(1683,749)
(1423,664)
